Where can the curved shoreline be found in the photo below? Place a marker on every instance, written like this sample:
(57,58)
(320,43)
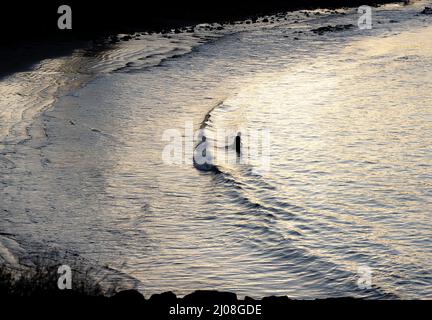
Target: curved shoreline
(211,121)
(34,35)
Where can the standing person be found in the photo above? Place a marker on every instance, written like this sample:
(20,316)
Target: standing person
(238,143)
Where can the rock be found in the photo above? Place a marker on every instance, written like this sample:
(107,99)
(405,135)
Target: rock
(113,39)
(265,20)
(336,28)
(205,296)
(126,38)
(427,10)
(275,300)
(128,297)
(163,298)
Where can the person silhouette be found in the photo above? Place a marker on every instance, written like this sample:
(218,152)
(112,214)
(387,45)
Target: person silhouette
(238,143)
(204,152)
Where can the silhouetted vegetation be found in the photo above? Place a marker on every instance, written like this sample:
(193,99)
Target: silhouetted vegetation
(42,281)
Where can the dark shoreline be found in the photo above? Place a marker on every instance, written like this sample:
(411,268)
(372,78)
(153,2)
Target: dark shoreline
(162,306)
(30,34)
(96,18)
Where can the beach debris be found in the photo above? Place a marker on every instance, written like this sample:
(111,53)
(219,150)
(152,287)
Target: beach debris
(126,38)
(329,28)
(427,10)
(113,39)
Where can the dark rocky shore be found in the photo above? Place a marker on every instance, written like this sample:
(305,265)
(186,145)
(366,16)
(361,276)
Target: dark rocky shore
(37,293)
(200,305)
(39,19)
(30,32)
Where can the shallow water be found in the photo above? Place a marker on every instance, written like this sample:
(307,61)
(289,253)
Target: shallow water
(349,182)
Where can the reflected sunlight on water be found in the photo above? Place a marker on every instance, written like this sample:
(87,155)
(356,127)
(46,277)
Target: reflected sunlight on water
(350,177)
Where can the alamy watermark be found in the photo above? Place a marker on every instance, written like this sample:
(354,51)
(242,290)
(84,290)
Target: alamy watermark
(65,20)
(65,279)
(206,148)
(364,22)
(364,280)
